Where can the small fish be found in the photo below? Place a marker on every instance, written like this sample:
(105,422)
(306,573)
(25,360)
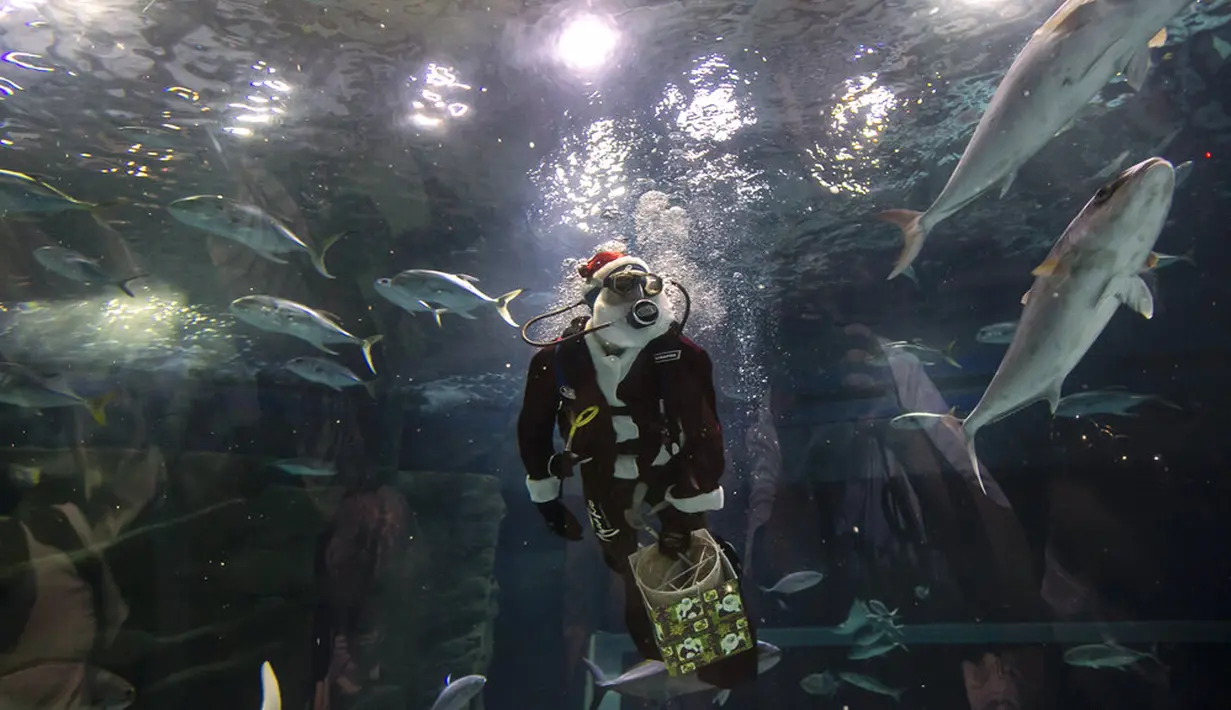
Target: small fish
(997,333)
(271,694)
(923,353)
(329,373)
(877,648)
(1107,401)
(649,680)
(922,592)
(25,476)
(250,226)
(1105,655)
(871,685)
(856,619)
(1158,261)
(795,582)
(820,684)
(878,610)
(23,387)
(919,421)
(279,315)
(307,467)
(23,193)
(420,290)
(458,693)
(79,268)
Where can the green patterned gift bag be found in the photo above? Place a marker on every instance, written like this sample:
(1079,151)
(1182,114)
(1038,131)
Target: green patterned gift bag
(695,604)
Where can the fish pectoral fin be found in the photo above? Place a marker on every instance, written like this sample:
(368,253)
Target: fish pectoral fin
(1051,265)
(1137,68)
(468,277)
(1071,17)
(1151,260)
(1007,183)
(1136,295)
(271,257)
(324,349)
(1052,395)
(1159,39)
(1026,297)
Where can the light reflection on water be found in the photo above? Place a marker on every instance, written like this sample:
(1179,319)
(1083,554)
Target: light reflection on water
(156,330)
(856,123)
(714,113)
(442,97)
(585,172)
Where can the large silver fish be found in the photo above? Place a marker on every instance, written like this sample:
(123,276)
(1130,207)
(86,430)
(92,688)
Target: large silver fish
(22,193)
(329,373)
(649,680)
(249,225)
(457,693)
(79,268)
(23,387)
(1109,401)
(424,290)
(1105,655)
(279,315)
(1092,270)
(1065,63)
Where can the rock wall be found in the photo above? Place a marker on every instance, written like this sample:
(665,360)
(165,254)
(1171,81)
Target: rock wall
(219,576)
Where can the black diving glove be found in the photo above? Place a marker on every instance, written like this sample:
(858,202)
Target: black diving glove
(676,536)
(560,520)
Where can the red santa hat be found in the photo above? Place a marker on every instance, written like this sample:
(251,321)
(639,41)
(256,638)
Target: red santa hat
(606,263)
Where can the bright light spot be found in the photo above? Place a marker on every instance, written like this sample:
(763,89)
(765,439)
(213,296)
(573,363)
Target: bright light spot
(426,121)
(856,122)
(714,113)
(587,43)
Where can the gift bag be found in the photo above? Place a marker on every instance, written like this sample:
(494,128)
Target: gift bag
(694,604)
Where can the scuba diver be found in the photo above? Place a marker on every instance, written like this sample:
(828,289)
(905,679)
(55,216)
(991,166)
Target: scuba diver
(634,402)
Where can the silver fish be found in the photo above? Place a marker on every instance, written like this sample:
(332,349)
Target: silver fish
(79,268)
(919,421)
(856,619)
(1091,271)
(418,290)
(922,592)
(924,354)
(271,694)
(250,226)
(820,684)
(649,680)
(1105,655)
(23,387)
(879,647)
(307,467)
(279,315)
(458,693)
(871,685)
(795,582)
(21,193)
(329,373)
(1066,62)
(1108,401)
(997,333)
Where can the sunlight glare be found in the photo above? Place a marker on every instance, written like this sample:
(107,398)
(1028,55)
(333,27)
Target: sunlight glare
(586,43)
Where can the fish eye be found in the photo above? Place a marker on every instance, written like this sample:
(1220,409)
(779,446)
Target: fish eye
(383,282)
(1105,192)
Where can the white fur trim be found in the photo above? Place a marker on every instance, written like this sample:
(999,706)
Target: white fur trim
(700,503)
(543,490)
(596,279)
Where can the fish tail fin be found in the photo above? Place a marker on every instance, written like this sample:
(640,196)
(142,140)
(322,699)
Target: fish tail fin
(367,344)
(600,683)
(123,284)
(318,257)
(949,352)
(271,695)
(502,306)
(897,694)
(974,458)
(370,386)
(97,407)
(913,236)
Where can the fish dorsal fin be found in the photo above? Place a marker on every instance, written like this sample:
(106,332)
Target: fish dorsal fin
(1159,39)
(1025,298)
(468,277)
(1136,295)
(1049,266)
(1072,16)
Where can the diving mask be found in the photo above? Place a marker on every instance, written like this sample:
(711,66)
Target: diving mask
(625,282)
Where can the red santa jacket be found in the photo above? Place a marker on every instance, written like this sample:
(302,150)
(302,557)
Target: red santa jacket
(667,392)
